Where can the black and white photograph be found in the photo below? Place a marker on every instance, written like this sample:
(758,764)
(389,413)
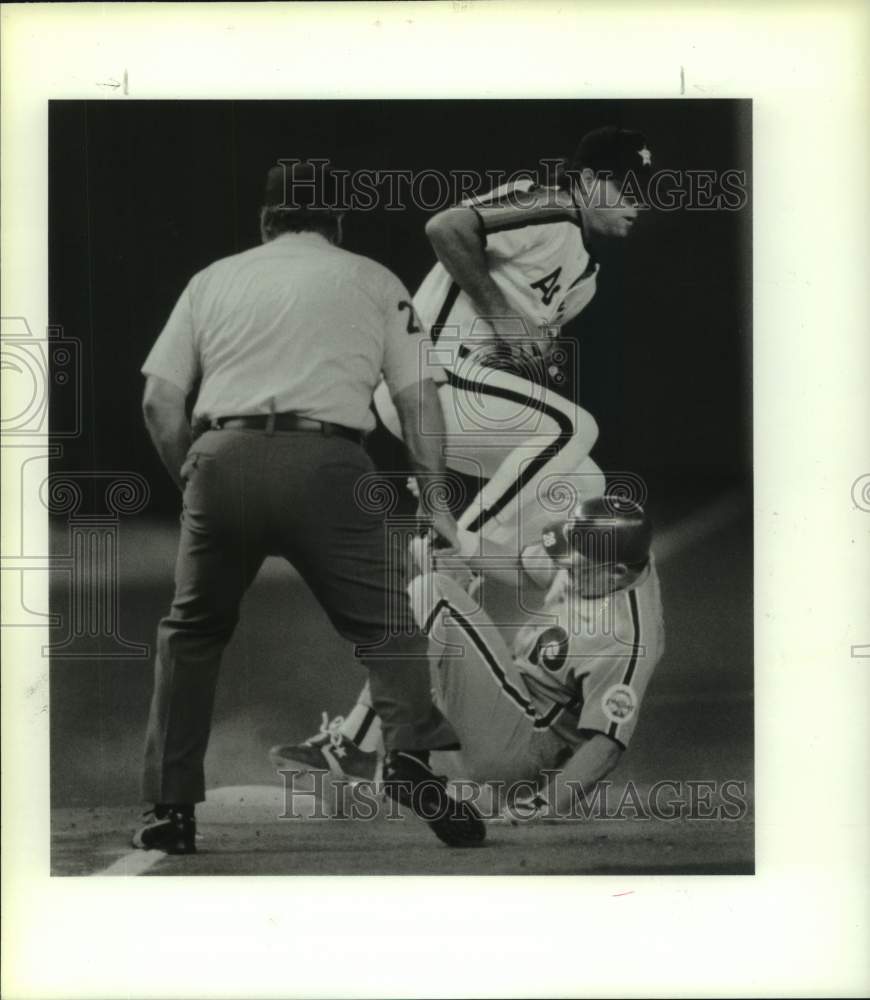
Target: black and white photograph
(410,508)
(435,499)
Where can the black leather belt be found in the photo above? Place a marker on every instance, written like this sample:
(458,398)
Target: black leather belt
(288,422)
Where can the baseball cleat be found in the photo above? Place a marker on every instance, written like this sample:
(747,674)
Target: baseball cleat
(328,750)
(167,829)
(412,784)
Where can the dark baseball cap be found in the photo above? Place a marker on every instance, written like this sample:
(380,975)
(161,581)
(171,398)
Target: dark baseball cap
(301,185)
(615,152)
(607,529)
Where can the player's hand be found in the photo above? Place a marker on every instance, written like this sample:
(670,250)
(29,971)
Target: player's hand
(527,809)
(442,528)
(446,533)
(420,552)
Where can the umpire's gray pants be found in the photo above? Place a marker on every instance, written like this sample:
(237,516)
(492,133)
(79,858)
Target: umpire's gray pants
(250,494)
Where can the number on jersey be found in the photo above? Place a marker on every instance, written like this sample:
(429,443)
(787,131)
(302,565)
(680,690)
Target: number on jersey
(412,326)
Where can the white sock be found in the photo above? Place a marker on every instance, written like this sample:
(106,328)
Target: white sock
(372,740)
(362,725)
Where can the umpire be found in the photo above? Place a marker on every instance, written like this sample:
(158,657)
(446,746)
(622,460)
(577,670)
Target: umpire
(287,342)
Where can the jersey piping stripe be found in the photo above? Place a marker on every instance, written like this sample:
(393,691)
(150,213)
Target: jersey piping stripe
(507,198)
(491,661)
(549,220)
(635,620)
(635,649)
(481,227)
(444,312)
(566,430)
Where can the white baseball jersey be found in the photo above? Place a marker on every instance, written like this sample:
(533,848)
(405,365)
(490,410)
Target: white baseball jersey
(593,657)
(581,667)
(536,256)
(507,426)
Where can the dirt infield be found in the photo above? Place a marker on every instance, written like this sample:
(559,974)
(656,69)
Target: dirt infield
(248,839)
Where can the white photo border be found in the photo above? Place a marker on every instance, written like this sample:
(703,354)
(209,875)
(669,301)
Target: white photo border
(799,927)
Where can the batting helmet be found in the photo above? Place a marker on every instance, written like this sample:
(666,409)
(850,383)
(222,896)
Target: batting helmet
(607,530)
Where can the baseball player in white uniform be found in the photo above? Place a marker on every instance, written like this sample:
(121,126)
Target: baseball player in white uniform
(566,697)
(513,267)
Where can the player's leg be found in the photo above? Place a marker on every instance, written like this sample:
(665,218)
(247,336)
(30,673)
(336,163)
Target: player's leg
(362,726)
(344,554)
(532,445)
(553,495)
(350,746)
(220,551)
(477,685)
(356,571)
(526,444)
(480,688)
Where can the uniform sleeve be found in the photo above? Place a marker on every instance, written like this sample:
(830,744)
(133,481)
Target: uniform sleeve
(174,356)
(618,674)
(520,219)
(407,348)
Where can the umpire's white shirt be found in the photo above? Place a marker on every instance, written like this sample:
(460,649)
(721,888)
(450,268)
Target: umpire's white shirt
(296,325)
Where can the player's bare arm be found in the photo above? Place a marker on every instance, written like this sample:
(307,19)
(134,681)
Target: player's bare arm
(163,406)
(455,235)
(418,408)
(591,763)
(501,562)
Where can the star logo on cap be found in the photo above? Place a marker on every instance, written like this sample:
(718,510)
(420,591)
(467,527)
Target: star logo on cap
(645,156)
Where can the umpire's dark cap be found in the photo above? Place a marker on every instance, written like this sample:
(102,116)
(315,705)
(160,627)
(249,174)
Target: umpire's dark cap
(301,185)
(615,152)
(609,529)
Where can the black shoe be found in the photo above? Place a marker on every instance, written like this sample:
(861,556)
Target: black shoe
(168,829)
(411,783)
(328,750)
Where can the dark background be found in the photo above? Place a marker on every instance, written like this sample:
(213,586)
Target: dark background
(144,194)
